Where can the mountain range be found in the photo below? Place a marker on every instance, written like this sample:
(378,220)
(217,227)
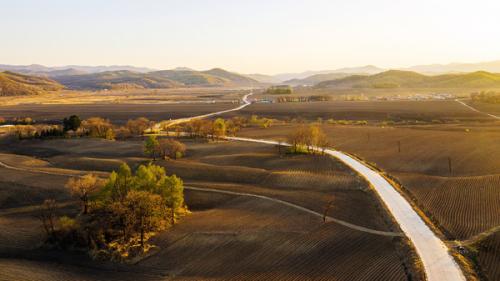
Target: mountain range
(409,79)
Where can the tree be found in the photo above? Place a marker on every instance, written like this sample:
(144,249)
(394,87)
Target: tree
(151,147)
(47,215)
(219,128)
(171,148)
(97,127)
(146,212)
(117,185)
(172,190)
(83,187)
(72,123)
(138,126)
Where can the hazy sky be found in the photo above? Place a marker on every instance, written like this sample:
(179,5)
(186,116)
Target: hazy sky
(263,36)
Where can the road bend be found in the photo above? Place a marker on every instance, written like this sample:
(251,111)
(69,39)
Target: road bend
(438,263)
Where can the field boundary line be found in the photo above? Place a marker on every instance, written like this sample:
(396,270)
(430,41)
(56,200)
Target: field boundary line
(328,218)
(439,264)
(311,212)
(477,110)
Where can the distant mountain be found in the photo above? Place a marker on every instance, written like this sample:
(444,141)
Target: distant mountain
(45,70)
(15,84)
(492,66)
(231,76)
(315,79)
(124,79)
(262,78)
(368,69)
(409,79)
(191,77)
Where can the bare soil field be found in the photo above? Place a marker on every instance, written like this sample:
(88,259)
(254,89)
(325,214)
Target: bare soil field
(117,113)
(428,111)
(488,256)
(278,242)
(462,203)
(136,96)
(490,108)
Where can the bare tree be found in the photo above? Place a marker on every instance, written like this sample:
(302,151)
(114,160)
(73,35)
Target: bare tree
(83,187)
(47,215)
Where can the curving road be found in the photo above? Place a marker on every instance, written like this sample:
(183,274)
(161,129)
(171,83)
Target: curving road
(438,263)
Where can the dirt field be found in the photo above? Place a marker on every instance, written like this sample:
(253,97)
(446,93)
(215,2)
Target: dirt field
(485,107)
(137,96)
(278,241)
(462,203)
(367,110)
(117,113)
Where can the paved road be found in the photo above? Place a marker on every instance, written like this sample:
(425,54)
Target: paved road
(438,264)
(476,110)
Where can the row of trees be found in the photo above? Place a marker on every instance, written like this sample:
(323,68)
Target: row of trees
(308,139)
(312,98)
(219,127)
(118,215)
(487,97)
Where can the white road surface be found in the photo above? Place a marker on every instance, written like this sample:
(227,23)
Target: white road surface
(438,263)
(476,110)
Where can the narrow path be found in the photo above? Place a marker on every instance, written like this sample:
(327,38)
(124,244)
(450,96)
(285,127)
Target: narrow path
(476,110)
(438,263)
(328,218)
(298,207)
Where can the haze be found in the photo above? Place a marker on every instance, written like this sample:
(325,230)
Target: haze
(251,36)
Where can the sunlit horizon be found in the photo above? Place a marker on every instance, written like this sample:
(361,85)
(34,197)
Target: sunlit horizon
(258,37)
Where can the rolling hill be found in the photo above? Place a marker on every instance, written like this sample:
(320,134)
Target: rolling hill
(122,79)
(157,79)
(408,79)
(315,79)
(14,84)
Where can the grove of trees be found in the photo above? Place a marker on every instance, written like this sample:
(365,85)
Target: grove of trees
(119,214)
(308,139)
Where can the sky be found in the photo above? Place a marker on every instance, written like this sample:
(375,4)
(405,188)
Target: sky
(257,36)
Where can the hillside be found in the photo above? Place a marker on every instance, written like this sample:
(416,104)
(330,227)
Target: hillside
(157,79)
(14,84)
(315,79)
(191,77)
(409,79)
(232,77)
(116,80)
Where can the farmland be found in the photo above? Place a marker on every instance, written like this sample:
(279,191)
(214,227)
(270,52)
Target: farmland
(221,226)
(450,171)
(426,111)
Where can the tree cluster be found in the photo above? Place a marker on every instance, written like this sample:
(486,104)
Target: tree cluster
(486,97)
(118,215)
(279,90)
(163,148)
(308,139)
